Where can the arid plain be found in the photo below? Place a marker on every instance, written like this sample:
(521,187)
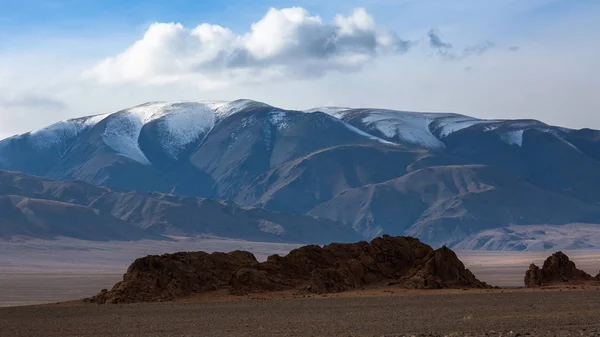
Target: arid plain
(38,271)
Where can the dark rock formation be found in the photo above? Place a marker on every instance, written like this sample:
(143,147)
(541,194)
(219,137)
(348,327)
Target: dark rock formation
(162,278)
(556,269)
(533,276)
(332,268)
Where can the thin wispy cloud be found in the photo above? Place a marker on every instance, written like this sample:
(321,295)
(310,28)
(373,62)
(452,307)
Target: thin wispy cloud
(447,51)
(34,102)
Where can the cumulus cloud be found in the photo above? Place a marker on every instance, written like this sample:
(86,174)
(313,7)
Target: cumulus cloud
(447,50)
(285,42)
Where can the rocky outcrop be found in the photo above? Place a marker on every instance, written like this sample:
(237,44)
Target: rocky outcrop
(557,269)
(166,277)
(340,267)
(336,267)
(533,277)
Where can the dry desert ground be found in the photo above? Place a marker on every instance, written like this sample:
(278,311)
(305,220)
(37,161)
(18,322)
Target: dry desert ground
(36,272)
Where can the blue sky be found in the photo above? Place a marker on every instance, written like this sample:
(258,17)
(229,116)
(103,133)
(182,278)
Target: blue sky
(62,18)
(81,57)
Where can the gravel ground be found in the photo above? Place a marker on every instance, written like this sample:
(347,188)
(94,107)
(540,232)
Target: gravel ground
(510,313)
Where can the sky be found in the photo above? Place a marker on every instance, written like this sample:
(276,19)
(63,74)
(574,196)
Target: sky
(526,59)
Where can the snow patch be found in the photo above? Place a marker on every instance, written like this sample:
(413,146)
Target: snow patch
(185,124)
(412,127)
(122,133)
(491,128)
(93,120)
(62,131)
(513,137)
(534,238)
(271,228)
(178,124)
(279,119)
(362,133)
(227,109)
(53,134)
(335,111)
(451,124)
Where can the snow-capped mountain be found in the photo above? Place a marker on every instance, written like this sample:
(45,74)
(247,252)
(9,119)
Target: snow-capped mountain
(440,176)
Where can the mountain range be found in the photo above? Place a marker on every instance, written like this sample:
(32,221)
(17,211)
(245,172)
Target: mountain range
(445,178)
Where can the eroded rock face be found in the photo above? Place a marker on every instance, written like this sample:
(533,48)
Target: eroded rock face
(332,268)
(166,277)
(556,269)
(533,276)
(340,267)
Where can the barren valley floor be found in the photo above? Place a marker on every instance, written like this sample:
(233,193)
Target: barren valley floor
(35,272)
(44,271)
(434,313)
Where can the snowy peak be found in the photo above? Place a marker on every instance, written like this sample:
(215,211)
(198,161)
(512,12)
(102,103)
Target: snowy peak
(429,130)
(334,111)
(420,129)
(227,109)
(177,125)
(59,132)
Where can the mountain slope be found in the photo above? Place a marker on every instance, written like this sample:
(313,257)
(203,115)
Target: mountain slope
(37,207)
(49,219)
(441,203)
(440,176)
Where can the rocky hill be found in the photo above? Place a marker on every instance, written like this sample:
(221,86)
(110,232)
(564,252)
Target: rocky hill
(335,267)
(557,270)
(446,178)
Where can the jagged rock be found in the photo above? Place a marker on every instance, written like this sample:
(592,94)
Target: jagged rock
(246,280)
(340,267)
(443,269)
(533,276)
(170,276)
(556,269)
(332,268)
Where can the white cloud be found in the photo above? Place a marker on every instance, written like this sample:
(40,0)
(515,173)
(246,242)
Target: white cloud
(549,78)
(285,42)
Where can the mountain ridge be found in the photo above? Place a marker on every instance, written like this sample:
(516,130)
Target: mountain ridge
(374,170)
(62,208)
